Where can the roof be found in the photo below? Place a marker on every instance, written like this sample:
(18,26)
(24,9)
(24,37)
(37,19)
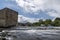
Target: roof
(8,9)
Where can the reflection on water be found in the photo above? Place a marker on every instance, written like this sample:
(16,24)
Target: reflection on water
(33,34)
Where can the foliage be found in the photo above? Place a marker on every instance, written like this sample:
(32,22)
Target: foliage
(56,22)
(47,22)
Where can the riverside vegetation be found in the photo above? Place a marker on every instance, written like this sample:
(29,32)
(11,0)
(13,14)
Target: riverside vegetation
(47,22)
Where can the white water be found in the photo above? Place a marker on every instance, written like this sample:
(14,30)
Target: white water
(33,34)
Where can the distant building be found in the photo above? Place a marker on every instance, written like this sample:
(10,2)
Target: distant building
(8,17)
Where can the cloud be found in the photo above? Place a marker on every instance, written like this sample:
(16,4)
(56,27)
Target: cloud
(31,5)
(24,19)
(36,5)
(53,13)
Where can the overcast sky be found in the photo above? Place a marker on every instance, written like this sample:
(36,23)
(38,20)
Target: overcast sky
(33,10)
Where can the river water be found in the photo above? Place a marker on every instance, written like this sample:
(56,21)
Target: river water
(32,34)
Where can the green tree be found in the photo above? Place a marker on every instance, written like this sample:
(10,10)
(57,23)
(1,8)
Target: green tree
(56,22)
(47,22)
(36,24)
(41,22)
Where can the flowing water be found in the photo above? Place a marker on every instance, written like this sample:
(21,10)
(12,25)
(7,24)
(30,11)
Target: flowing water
(32,34)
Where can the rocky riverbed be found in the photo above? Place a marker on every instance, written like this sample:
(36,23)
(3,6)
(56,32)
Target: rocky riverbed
(32,34)
(35,34)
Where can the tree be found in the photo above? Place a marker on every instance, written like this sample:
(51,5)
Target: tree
(56,22)
(28,24)
(36,24)
(41,22)
(47,22)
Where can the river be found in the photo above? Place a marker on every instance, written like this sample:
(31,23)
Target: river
(32,33)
